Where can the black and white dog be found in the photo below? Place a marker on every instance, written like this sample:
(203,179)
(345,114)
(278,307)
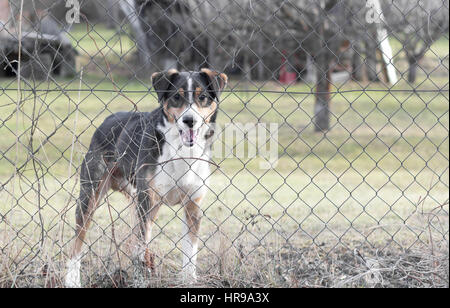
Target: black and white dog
(155,158)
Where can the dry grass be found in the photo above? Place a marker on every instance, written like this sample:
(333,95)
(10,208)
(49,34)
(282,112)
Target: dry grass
(273,262)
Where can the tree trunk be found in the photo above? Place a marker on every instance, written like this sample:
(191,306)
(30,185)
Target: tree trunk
(247,67)
(129,8)
(260,68)
(371,62)
(321,109)
(323,85)
(412,73)
(112,12)
(211,61)
(357,64)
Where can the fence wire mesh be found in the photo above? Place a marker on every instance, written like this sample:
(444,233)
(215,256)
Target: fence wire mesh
(330,160)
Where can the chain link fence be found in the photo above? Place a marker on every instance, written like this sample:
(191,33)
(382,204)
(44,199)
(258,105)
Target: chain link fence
(330,162)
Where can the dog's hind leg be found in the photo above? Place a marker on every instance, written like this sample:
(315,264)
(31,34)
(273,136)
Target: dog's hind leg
(143,260)
(147,211)
(147,208)
(95,183)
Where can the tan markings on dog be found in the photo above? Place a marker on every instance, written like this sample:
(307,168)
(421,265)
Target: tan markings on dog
(149,260)
(84,220)
(152,193)
(172,113)
(207,112)
(193,216)
(172,71)
(181,92)
(171,198)
(155,205)
(168,74)
(198,92)
(120,184)
(223,79)
(154,75)
(198,201)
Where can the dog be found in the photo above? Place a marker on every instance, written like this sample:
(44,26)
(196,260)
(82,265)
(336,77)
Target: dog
(156,158)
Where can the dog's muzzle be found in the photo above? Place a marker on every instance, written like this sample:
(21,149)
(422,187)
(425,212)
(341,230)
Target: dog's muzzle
(189,137)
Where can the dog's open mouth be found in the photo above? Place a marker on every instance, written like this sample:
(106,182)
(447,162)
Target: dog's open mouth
(189,137)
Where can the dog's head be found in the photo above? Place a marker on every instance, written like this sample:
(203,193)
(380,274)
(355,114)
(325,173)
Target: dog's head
(189,99)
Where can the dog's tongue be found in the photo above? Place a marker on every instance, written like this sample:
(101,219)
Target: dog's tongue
(189,136)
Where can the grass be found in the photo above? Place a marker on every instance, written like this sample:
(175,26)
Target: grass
(369,182)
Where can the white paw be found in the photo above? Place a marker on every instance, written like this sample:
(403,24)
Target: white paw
(73,278)
(189,274)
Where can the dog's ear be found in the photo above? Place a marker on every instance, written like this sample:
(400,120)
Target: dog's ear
(162,82)
(216,82)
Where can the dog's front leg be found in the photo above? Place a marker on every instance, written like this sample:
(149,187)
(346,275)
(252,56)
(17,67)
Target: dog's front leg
(192,219)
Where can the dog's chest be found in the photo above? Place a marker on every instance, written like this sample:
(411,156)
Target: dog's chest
(178,172)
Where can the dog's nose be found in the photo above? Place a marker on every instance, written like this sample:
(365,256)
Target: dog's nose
(189,121)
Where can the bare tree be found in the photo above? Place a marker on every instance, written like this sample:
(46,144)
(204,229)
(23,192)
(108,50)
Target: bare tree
(314,27)
(130,10)
(417,25)
(253,37)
